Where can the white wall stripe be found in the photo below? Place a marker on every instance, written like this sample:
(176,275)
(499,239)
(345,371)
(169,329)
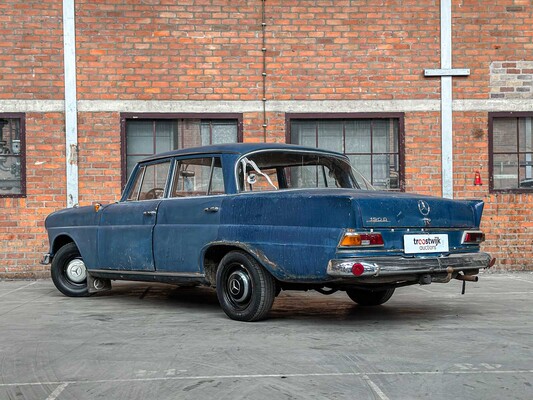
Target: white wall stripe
(288,106)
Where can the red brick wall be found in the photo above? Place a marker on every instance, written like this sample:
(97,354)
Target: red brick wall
(186,50)
(211,50)
(422,153)
(99,157)
(485,31)
(31,58)
(22,235)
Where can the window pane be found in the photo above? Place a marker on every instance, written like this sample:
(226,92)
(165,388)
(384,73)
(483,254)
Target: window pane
(10,169)
(10,157)
(134,192)
(362,164)
(154,182)
(193,178)
(140,137)
(381,136)
(525,129)
(526,170)
(380,171)
(165,133)
(218,132)
(505,170)
(504,135)
(330,135)
(303,133)
(358,136)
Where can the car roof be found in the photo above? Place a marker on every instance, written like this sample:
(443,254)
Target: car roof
(236,148)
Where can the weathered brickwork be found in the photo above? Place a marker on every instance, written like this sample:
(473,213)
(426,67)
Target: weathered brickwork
(211,50)
(485,32)
(511,80)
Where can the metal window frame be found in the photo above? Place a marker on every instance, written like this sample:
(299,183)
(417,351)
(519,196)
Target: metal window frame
(124,117)
(353,116)
(496,115)
(22,119)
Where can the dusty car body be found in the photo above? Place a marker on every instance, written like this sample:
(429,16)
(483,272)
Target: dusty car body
(255,219)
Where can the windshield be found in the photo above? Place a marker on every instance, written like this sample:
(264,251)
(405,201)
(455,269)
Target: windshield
(271,170)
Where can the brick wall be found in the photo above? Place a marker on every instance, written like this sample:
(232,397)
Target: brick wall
(31,59)
(22,237)
(200,50)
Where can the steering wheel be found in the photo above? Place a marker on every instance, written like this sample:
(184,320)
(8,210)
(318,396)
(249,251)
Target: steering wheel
(155,193)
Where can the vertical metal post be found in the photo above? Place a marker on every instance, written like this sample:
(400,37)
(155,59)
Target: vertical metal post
(529,146)
(71,117)
(446,98)
(264,73)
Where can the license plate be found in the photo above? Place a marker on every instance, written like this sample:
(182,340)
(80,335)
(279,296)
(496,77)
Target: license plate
(425,243)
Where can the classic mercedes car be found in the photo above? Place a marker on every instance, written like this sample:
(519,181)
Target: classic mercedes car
(255,219)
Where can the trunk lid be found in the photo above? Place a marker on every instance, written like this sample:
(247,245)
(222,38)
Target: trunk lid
(399,210)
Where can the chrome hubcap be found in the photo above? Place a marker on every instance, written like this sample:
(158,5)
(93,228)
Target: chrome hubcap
(239,286)
(76,271)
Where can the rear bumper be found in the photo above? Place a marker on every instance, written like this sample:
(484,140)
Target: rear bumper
(380,266)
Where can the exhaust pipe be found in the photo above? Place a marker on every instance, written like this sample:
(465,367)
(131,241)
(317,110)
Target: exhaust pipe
(467,278)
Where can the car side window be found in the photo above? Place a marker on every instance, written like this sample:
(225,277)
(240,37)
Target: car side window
(134,192)
(198,177)
(150,182)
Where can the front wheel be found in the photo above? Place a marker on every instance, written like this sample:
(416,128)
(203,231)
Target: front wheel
(245,290)
(370,297)
(68,271)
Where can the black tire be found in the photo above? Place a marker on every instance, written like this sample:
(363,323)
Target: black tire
(245,290)
(370,297)
(66,260)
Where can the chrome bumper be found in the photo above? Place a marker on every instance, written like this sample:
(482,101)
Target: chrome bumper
(399,266)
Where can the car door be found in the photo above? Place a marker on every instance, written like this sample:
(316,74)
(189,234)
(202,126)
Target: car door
(189,219)
(126,228)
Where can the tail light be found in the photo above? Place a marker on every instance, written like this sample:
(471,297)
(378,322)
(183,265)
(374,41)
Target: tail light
(352,239)
(473,237)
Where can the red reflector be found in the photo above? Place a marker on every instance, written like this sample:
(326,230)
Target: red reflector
(358,269)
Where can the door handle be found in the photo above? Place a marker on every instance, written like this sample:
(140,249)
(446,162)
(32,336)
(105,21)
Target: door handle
(153,212)
(211,209)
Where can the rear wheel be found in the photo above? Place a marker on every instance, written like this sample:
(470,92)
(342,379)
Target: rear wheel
(370,297)
(68,271)
(245,290)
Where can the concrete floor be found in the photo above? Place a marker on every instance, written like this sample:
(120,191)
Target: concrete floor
(149,341)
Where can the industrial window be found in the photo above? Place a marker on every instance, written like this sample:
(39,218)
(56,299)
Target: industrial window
(511,152)
(12,155)
(374,143)
(146,135)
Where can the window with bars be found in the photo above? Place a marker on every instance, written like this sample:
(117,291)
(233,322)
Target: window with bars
(146,135)
(511,152)
(373,143)
(12,155)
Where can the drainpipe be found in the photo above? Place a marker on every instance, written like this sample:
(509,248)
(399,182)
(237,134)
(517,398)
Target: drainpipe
(71,112)
(446,72)
(446,98)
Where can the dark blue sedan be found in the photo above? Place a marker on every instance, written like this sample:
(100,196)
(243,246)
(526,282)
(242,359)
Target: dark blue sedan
(255,219)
